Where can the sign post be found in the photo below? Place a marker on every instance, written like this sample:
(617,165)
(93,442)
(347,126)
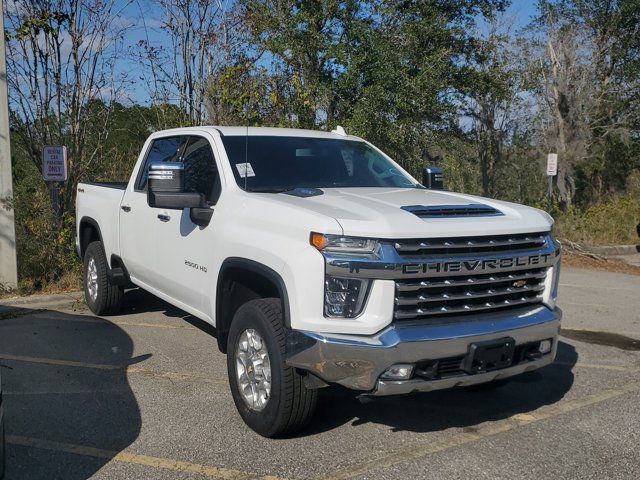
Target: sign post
(54,171)
(552,171)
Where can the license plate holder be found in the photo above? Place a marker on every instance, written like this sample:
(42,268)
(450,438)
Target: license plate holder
(490,355)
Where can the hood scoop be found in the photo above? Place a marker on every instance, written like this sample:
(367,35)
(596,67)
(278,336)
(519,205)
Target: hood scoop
(448,211)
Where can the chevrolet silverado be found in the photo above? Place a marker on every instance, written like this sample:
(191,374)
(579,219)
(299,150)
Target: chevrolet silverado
(319,260)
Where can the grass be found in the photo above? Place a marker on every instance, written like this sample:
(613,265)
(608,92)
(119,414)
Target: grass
(610,223)
(69,282)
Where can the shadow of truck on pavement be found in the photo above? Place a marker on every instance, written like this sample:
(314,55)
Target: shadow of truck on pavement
(422,412)
(52,405)
(461,407)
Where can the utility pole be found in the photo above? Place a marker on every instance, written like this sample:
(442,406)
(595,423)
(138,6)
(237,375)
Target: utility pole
(8,262)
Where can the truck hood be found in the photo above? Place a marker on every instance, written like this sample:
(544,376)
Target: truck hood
(377,212)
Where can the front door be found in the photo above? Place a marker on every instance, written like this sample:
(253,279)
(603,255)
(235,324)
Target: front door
(139,222)
(185,250)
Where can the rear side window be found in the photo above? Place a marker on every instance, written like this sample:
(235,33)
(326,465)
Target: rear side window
(161,150)
(200,171)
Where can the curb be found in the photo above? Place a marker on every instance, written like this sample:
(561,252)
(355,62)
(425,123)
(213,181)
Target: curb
(35,302)
(613,250)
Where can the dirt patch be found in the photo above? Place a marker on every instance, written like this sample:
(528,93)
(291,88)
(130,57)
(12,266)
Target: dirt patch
(70,282)
(602,338)
(606,264)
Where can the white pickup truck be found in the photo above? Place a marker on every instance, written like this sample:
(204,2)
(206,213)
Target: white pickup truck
(319,260)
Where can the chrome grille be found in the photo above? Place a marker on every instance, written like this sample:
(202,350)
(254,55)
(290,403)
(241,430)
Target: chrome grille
(473,245)
(437,297)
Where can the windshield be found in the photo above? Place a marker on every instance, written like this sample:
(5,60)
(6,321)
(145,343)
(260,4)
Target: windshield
(282,163)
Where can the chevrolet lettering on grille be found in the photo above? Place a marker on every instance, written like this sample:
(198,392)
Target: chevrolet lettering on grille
(484,265)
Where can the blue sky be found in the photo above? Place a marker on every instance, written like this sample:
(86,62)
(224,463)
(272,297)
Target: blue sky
(523,11)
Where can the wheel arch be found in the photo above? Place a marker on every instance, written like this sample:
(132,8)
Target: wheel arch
(88,231)
(241,280)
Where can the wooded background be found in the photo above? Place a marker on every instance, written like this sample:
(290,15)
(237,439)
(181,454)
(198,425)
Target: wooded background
(460,82)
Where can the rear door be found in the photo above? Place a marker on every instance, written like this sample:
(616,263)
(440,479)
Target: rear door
(184,248)
(138,221)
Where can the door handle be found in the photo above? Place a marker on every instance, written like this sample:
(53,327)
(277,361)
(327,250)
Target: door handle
(126,208)
(164,217)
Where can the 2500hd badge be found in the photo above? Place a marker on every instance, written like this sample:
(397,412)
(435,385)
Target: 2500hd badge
(202,268)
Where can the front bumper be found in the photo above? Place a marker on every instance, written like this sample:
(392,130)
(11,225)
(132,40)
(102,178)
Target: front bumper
(357,361)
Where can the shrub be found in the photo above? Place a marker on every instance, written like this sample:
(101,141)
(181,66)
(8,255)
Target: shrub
(608,223)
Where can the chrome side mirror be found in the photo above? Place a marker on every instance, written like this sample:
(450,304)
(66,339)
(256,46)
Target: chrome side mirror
(433,178)
(166,188)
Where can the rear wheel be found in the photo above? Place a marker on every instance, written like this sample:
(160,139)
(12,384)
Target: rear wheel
(270,396)
(102,297)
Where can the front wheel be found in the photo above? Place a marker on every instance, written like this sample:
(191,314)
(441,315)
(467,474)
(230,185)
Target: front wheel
(102,297)
(270,396)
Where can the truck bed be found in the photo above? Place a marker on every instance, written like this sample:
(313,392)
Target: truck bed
(100,202)
(116,185)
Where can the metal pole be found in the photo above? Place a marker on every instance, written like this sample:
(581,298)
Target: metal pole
(8,262)
(549,192)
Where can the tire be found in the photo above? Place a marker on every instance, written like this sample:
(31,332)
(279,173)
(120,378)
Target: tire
(107,298)
(290,405)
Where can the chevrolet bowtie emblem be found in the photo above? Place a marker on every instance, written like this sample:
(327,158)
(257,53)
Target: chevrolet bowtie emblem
(519,283)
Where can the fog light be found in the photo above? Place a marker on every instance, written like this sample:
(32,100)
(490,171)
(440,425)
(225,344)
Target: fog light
(344,297)
(545,346)
(398,372)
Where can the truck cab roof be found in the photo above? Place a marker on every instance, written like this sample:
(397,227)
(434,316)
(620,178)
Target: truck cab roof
(259,131)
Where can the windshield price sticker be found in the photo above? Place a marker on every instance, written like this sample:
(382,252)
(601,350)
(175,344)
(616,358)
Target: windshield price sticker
(552,164)
(54,163)
(245,170)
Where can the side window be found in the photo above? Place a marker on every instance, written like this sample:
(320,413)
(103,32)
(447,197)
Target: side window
(200,171)
(161,150)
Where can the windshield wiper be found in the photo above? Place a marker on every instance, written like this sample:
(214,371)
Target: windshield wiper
(270,189)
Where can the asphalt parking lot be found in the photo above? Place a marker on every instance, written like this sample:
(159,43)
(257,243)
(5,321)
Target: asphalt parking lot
(145,395)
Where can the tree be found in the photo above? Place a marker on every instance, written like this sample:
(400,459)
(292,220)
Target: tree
(61,56)
(243,94)
(200,37)
(588,61)
(387,70)
(496,101)
(308,42)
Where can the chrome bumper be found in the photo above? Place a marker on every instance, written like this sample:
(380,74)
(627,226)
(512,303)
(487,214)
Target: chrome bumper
(357,362)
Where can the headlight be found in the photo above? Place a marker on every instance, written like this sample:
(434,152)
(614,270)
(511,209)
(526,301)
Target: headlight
(344,297)
(342,244)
